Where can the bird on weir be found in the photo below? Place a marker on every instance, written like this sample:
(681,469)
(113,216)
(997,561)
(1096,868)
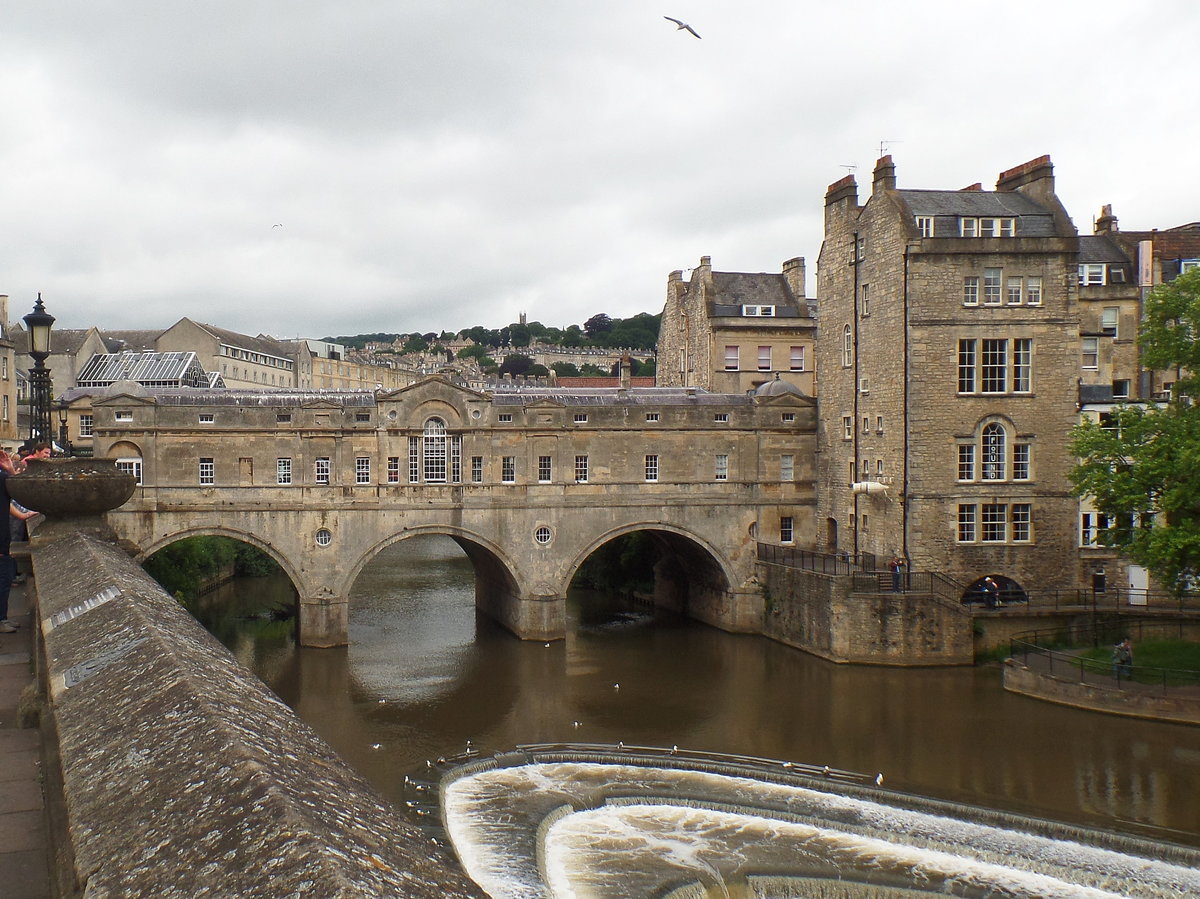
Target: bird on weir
(683,26)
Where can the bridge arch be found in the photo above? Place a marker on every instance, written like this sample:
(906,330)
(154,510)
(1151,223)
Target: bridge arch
(145,552)
(691,575)
(488,558)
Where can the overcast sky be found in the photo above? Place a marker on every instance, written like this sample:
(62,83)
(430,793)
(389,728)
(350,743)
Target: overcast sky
(437,165)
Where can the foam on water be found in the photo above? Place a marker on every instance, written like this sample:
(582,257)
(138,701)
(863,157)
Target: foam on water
(571,829)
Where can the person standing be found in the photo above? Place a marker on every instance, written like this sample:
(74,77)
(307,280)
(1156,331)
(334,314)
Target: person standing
(1123,660)
(991,592)
(6,562)
(897,568)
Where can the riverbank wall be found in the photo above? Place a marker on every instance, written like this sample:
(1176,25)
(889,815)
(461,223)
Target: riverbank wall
(173,772)
(818,613)
(1180,705)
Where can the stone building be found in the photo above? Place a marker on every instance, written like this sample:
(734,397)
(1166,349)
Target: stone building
(730,332)
(949,361)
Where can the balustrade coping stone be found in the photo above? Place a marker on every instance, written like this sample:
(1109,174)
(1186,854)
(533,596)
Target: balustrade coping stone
(182,774)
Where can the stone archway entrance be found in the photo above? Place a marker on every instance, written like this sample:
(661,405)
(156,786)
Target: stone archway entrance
(1007,591)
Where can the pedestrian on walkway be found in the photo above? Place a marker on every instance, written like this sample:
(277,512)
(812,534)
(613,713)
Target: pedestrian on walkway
(897,567)
(1123,660)
(7,571)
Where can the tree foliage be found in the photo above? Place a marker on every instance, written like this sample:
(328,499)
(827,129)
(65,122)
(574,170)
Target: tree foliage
(1138,465)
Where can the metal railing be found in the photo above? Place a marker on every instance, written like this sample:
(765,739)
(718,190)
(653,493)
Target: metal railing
(1057,651)
(809,560)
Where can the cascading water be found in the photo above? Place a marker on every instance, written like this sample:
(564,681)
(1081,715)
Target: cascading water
(553,824)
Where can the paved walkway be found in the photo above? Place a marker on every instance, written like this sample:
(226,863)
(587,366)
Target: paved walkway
(24,849)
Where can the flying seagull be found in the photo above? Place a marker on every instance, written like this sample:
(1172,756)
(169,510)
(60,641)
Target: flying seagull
(280,225)
(683,26)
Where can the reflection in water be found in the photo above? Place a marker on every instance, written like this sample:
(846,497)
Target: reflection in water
(424,675)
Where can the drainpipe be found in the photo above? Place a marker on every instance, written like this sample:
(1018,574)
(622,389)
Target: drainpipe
(854,414)
(902,493)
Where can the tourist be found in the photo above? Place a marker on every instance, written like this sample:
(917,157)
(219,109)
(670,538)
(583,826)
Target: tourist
(991,592)
(18,518)
(897,568)
(6,562)
(1123,660)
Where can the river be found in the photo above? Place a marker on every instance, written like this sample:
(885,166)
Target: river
(425,674)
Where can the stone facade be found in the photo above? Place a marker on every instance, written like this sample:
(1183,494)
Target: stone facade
(730,332)
(530,482)
(949,359)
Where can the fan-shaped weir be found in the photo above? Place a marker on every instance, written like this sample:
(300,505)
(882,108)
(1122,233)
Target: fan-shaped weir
(563,821)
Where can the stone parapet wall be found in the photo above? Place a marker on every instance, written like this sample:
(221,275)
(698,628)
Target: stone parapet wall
(182,774)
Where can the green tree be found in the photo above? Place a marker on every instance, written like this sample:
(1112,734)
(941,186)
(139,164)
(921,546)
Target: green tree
(516,364)
(566,369)
(1138,464)
(415,344)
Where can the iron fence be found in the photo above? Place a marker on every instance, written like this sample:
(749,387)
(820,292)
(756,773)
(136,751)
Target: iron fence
(1058,651)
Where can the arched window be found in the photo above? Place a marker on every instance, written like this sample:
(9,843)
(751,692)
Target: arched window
(434,451)
(992,451)
(847,348)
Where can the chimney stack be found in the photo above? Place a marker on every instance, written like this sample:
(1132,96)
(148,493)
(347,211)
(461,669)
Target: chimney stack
(885,175)
(794,275)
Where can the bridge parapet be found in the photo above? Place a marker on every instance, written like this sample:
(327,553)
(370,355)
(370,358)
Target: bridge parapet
(183,775)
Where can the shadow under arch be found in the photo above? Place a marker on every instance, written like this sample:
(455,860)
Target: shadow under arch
(688,567)
(258,543)
(1008,591)
(494,579)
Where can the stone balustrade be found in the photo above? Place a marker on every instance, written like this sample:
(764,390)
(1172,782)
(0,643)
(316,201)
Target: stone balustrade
(181,774)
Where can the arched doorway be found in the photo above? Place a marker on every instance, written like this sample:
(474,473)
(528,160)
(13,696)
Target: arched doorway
(1006,591)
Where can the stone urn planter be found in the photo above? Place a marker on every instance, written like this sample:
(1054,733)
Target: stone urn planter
(71,488)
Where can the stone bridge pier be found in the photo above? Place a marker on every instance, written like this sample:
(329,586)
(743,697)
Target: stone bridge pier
(524,559)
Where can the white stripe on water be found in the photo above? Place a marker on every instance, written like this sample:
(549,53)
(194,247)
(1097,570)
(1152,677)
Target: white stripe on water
(562,830)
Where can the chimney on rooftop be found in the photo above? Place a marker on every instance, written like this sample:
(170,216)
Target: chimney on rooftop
(1107,223)
(794,275)
(885,175)
(1033,172)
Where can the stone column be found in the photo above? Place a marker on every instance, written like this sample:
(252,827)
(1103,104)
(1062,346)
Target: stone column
(324,619)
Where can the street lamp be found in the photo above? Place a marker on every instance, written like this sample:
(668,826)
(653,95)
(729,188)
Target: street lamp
(38,322)
(64,436)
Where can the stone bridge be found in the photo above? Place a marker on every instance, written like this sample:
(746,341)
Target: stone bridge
(529,482)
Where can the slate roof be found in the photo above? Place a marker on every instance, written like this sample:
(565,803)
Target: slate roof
(130,341)
(1033,220)
(267,345)
(609,381)
(732,290)
(1101,248)
(63,341)
(610,396)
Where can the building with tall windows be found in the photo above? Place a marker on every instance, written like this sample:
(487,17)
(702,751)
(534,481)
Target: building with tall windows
(950,362)
(731,332)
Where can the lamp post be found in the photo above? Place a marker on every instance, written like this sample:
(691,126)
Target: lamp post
(64,436)
(38,322)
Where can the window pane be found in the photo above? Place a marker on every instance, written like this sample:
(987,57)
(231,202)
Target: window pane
(966,524)
(994,522)
(966,462)
(966,366)
(1022,364)
(995,365)
(993,452)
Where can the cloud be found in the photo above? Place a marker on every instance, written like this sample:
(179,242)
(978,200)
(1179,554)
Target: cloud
(444,165)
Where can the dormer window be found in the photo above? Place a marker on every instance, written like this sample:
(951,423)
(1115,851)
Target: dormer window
(758,311)
(925,225)
(1091,273)
(970,226)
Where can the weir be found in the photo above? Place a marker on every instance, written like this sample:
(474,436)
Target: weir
(625,822)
